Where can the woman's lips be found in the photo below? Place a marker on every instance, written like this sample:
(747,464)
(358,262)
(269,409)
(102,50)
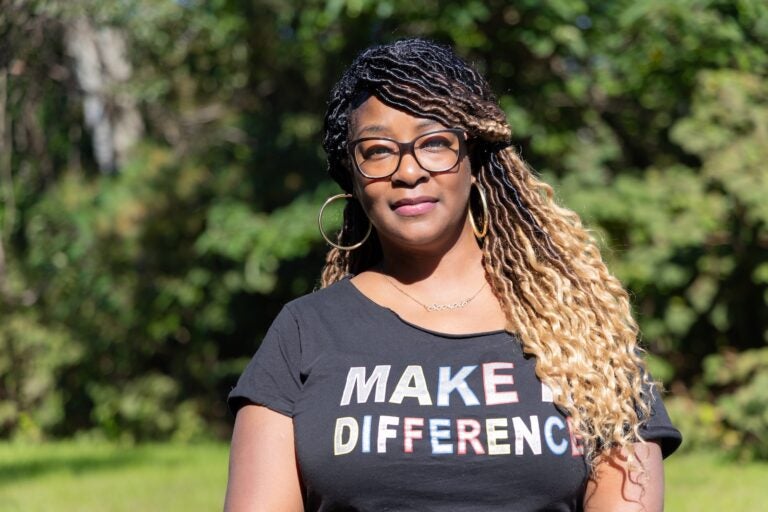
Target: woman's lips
(413,207)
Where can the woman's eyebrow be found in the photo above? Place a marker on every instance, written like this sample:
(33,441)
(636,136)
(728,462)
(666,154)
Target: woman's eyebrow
(373,129)
(427,122)
(377,129)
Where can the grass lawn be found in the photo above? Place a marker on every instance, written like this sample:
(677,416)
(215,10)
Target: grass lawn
(69,477)
(85,477)
(705,482)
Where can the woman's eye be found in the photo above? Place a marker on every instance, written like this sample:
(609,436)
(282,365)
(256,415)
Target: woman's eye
(377,151)
(436,144)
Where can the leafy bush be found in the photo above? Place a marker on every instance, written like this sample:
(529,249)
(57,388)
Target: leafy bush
(32,356)
(730,412)
(701,423)
(741,380)
(146,408)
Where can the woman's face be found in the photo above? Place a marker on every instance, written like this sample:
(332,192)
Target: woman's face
(412,208)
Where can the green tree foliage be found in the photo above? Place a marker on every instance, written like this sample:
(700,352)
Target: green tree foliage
(132,300)
(743,406)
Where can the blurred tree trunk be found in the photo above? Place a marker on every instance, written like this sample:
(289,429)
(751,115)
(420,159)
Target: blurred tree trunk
(102,69)
(5,178)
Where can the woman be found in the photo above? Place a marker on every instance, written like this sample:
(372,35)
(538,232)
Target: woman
(469,350)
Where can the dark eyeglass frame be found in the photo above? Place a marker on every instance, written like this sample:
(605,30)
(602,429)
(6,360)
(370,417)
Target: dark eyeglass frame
(409,148)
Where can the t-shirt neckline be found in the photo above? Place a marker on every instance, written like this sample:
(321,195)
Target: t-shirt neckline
(373,305)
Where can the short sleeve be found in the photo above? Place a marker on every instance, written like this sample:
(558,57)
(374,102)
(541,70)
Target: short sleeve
(659,427)
(272,377)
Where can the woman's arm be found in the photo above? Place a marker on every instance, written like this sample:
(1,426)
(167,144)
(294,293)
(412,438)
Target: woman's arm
(616,488)
(263,475)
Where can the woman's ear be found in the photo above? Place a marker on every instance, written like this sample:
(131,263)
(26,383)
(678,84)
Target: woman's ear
(474,158)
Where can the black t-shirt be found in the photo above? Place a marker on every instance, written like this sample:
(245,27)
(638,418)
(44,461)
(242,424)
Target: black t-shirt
(391,416)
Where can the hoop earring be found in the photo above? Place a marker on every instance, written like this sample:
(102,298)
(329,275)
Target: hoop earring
(322,231)
(480,234)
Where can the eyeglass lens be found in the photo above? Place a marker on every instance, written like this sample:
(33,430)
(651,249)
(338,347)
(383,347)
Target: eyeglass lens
(434,152)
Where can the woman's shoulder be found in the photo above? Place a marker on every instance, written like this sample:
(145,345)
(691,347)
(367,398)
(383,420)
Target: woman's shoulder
(338,295)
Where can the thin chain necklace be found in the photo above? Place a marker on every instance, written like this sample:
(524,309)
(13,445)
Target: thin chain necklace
(435,306)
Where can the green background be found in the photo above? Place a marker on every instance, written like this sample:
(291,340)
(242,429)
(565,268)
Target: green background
(133,289)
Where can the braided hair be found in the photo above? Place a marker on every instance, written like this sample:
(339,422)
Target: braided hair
(541,263)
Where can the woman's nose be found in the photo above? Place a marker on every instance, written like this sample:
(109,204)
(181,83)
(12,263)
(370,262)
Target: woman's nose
(409,171)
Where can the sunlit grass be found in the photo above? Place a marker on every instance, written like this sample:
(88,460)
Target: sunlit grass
(708,482)
(90,477)
(102,477)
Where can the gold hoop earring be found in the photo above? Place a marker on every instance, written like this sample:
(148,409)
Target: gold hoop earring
(322,231)
(486,218)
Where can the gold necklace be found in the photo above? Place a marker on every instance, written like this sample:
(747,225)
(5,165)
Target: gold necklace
(435,306)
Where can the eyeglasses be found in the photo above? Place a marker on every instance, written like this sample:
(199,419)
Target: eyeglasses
(379,157)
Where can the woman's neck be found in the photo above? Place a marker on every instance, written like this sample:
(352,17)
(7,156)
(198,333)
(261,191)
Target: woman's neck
(457,261)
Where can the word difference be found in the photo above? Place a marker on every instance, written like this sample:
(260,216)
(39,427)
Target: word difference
(492,436)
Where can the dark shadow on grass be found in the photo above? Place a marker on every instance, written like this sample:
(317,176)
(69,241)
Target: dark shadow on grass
(75,464)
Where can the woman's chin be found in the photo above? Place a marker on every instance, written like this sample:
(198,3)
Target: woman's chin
(422,239)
